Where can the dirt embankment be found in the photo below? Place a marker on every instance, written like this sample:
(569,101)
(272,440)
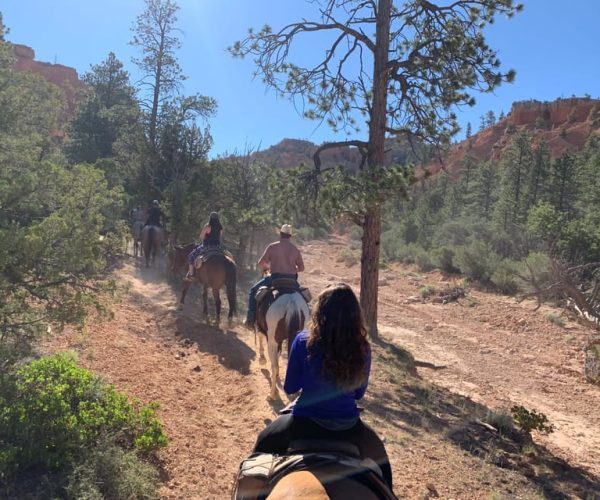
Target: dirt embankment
(212,390)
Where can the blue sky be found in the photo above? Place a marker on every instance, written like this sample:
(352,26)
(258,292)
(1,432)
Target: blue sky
(552,45)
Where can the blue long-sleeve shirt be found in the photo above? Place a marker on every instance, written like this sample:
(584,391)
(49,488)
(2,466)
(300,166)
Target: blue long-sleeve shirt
(320,398)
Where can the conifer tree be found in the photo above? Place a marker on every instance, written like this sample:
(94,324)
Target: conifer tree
(538,176)
(156,35)
(402,65)
(517,163)
(564,183)
(109,112)
(485,187)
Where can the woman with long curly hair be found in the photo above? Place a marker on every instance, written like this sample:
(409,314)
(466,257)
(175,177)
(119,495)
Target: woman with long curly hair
(330,364)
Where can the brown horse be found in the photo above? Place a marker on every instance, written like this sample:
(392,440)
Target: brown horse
(178,255)
(218,270)
(151,240)
(335,472)
(305,485)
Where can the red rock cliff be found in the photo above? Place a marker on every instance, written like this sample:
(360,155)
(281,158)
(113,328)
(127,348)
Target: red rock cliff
(62,76)
(564,124)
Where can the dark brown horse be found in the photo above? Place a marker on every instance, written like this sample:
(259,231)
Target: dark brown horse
(151,240)
(218,270)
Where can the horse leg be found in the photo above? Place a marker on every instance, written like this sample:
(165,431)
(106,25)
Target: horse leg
(217,297)
(261,349)
(184,291)
(205,302)
(274,357)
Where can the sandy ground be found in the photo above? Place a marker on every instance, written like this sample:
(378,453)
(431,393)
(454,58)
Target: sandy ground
(492,354)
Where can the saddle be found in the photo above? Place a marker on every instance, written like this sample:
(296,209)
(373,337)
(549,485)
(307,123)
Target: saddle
(209,253)
(331,460)
(266,295)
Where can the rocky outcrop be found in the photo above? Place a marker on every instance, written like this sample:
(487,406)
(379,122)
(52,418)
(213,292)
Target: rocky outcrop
(565,124)
(64,77)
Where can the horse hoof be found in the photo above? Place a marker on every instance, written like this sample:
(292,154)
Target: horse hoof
(180,307)
(262,360)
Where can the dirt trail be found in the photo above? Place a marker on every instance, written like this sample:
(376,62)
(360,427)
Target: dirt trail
(212,390)
(208,381)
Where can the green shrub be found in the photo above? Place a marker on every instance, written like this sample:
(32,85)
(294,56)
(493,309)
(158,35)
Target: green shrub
(535,269)
(501,420)
(444,259)
(531,420)
(57,412)
(423,260)
(505,278)
(557,319)
(109,471)
(476,261)
(427,291)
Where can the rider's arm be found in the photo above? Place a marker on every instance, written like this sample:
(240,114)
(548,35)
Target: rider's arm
(299,263)
(293,375)
(264,261)
(360,392)
(204,232)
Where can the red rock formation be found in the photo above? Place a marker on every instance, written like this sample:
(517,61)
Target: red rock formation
(62,76)
(564,124)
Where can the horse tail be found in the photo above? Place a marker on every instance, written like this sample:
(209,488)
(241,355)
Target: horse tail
(151,230)
(294,325)
(230,284)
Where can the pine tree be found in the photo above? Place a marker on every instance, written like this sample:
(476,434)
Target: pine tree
(110,112)
(155,34)
(565,183)
(538,176)
(485,186)
(517,163)
(425,60)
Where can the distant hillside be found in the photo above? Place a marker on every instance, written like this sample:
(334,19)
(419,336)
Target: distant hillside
(292,152)
(564,124)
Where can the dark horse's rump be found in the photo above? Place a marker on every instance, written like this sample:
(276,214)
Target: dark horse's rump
(151,238)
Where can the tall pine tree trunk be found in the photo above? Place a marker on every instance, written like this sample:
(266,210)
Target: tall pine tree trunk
(369,264)
(369,269)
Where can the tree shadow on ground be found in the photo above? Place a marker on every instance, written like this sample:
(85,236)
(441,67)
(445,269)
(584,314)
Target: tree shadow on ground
(410,405)
(230,351)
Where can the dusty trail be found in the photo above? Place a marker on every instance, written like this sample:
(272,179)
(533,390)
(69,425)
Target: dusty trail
(209,384)
(212,390)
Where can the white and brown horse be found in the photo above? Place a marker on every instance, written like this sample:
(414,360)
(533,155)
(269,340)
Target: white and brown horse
(284,318)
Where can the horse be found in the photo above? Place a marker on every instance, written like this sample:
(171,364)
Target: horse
(136,234)
(319,469)
(217,270)
(178,255)
(283,319)
(305,485)
(151,239)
